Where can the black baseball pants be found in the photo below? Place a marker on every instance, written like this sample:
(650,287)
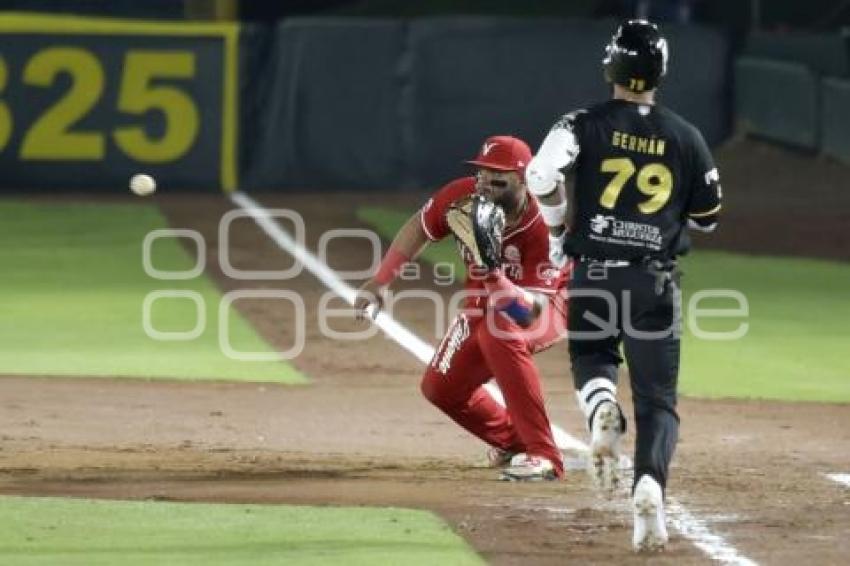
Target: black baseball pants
(638,305)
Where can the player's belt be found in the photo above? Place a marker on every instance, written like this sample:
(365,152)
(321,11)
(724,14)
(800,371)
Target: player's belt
(664,270)
(607,262)
(645,261)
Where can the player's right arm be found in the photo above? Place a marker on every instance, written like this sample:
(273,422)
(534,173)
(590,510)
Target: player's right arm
(545,179)
(427,225)
(405,247)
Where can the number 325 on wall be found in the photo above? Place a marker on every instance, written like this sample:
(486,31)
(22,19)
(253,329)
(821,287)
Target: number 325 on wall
(53,135)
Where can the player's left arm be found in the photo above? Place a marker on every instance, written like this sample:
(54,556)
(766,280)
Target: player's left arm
(559,150)
(545,179)
(705,203)
(537,281)
(523,306)
(478,224)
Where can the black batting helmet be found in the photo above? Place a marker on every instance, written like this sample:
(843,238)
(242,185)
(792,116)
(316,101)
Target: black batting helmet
(636,58)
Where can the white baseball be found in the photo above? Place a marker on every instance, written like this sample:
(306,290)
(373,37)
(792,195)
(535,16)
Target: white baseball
(142,185)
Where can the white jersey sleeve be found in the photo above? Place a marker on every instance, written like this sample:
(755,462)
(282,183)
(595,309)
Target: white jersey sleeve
(558,151)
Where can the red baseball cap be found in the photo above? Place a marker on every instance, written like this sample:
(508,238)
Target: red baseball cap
(503,153)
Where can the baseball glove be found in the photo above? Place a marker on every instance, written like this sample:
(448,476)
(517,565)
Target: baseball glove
(477,225)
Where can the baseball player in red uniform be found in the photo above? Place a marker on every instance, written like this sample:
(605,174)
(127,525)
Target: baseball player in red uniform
(512,310)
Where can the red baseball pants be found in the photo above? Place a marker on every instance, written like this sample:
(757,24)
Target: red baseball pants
(477,348)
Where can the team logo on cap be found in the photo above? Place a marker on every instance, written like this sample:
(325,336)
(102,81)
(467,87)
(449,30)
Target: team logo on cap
(488,147)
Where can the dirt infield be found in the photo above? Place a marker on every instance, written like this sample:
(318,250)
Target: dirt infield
(360,433)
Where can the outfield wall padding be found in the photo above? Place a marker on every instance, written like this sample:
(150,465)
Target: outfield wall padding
(778,101)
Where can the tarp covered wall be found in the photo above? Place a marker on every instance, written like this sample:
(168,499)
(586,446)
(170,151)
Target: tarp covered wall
(388,104)
(321,106)
(777,100)
(828,54)
(475,77)
(835,118)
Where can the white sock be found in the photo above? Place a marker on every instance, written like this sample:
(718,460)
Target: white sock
(594,392)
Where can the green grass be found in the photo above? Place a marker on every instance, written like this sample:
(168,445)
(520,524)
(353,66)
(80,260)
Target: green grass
(72,291)
(796,347)
(48,531)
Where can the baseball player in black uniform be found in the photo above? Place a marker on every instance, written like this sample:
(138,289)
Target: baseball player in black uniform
(642,176)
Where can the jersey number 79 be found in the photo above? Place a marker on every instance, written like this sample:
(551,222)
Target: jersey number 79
(654,180)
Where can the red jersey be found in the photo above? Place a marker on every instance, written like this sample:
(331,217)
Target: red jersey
(525,246)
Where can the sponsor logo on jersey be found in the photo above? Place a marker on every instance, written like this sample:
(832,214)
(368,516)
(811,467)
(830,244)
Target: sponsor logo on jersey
(549,274)
(600,223)
(512,254)
(625,232)
(512,263)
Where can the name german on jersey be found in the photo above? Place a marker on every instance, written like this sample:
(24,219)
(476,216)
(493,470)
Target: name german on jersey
(650,146)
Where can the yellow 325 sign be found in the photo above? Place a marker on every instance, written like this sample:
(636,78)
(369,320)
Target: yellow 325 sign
(55,134)
(87,98)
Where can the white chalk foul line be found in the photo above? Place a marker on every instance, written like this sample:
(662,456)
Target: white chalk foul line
(694,529)
(843,479)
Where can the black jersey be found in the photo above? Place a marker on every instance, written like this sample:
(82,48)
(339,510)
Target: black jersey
(641,172)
